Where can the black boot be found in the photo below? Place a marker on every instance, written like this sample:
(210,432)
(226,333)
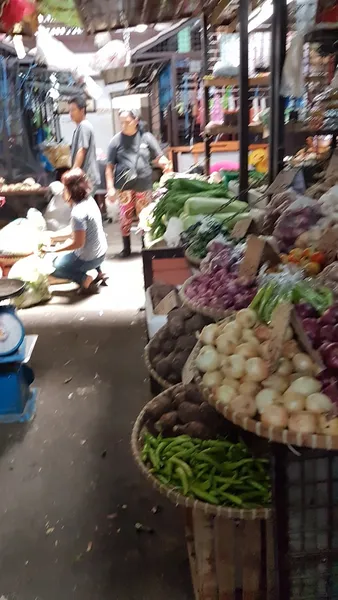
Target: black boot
(126,247)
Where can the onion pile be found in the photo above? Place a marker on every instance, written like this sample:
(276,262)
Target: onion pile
(220,289)
(234,365)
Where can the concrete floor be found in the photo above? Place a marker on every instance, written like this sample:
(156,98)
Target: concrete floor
(70,491)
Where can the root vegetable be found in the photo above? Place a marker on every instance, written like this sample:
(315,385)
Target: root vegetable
(284,367)
(207,359)
(293,402)
(302,422)
(257,369)
(236,368)
(246,318)
(249,388)
(247,350)
(178,398)
(157,407)
(212,379)
(306,386)
(194,430)
(176,326)
(276,382)
(224,394)
(248,335)
(163,367)
(243,405)
(209,334)
(318,403)
(328,426)
(233,383)
(188,412)
(275,416)
(302,363)
(233,332)
(224,345)
(262,333)
(166,422)
(266,398)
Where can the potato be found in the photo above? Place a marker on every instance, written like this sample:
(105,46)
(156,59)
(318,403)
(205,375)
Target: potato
(176,327)
(210,417)
(158,407)
(186,342)
(163,367)
(166,422)
(193,394)
(195,323)
(188,412)
(178,363)
(194,429)
(174,378)
(178,398)
(168,346)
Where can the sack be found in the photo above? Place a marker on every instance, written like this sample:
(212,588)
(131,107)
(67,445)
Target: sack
(19,238)
(33,271)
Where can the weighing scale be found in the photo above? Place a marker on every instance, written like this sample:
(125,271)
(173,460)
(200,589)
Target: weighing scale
(17,398)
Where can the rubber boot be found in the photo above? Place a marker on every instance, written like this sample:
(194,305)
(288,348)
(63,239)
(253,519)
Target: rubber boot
(126,247)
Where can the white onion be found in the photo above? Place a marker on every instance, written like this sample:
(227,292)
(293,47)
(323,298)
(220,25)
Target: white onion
(207,359)
(243,405)
(249,388)
(248,335)
(302,363)
(275,416)
(212,379)
(236,368)
(276,382)
(224,345)
(266,398)
(290,348)
(247,350)
(257,369)
(293,401)
(262,333)
(328,426)
(264,350)
(284,367)
(233,383)
(209,334)
(305,386)
(318,403)
(302,422)
(246,317)
(224,394)
(233,332)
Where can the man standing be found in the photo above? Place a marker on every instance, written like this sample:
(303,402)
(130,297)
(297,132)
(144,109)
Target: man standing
(83,143)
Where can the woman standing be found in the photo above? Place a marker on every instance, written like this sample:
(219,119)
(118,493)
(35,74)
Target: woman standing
(88,246)
(129,170)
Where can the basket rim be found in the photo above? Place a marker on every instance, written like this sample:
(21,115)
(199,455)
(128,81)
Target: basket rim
(176,497)
(194,260)
(214,313)
(163,383)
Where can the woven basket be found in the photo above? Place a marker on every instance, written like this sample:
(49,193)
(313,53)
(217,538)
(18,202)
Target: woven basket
(9,261)
(215,313)
(273,434)
(162,382)
(178,498)
(193,260)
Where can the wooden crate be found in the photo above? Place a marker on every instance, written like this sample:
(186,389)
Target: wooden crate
(229,559)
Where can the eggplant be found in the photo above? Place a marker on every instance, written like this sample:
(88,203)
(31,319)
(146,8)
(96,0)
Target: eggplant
(311,328)
(330,316)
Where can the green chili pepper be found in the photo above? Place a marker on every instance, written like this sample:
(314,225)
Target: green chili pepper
(182,464)
(184,480)
(232,498)
(153,458)
(205,496)
(258,298)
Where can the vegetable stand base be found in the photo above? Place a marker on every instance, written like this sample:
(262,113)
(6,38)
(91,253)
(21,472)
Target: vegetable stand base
(229,560)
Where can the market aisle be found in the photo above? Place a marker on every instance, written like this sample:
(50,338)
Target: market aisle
(70,492)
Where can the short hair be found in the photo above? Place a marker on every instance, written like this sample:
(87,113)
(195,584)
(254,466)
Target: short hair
(77,184)
(132,112)
(80,102)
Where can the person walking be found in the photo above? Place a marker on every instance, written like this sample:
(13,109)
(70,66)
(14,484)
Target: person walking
(87,247)
(129,171)
(83,148)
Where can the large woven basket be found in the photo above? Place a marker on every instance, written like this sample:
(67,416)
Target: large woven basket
(162,382)
(214,313)
(175,496)
(273,434)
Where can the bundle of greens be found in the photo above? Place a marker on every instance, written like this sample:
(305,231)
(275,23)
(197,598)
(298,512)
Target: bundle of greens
(197,237)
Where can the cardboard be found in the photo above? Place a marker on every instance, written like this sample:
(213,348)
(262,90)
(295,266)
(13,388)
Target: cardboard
(328,244)
(283,181)
(280,321)
(243,227)
(252,257)
(188,371)
(169,302)
(304,340)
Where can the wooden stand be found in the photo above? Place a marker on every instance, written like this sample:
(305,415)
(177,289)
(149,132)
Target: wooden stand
(229,559)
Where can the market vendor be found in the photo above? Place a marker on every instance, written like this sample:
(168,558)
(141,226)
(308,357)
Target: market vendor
(129,170)
(83,148)
(87,248)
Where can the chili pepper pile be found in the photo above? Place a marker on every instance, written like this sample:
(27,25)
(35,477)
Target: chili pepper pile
(215,471)
(312,262)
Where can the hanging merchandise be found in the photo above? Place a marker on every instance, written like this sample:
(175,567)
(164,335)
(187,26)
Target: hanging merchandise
(216,112)
(14,11)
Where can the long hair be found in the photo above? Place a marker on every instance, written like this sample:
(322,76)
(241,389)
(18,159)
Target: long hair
(77,184)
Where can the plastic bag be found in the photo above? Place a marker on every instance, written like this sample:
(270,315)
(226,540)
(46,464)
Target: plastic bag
(35,217)
(33,271)
(173,232)
(57,213)
(113,211)
(19,238)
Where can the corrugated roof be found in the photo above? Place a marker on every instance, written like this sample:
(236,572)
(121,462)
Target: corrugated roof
(104,15)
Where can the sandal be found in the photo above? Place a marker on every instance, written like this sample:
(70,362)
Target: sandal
(102,279)
(92,289)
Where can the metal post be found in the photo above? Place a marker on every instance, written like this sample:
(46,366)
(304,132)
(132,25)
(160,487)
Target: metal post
(205,64)
(244,99)
(277,102)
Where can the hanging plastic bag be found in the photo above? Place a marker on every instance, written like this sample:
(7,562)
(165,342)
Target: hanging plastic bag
(113,211)
(173,232)
(33,271)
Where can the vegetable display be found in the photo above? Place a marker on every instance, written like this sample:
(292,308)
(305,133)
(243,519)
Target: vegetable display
(311,261)
(214,471)
(171,346)
(159,291)
(197,238)
(234,363)
(183,410)
(292,223)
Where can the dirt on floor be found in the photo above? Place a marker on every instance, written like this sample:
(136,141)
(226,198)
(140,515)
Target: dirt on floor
(71,495)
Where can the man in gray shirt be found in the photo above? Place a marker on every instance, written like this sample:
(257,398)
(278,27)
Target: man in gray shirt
(83,142)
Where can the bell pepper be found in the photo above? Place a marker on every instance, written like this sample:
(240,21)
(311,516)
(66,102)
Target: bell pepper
(318,257)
